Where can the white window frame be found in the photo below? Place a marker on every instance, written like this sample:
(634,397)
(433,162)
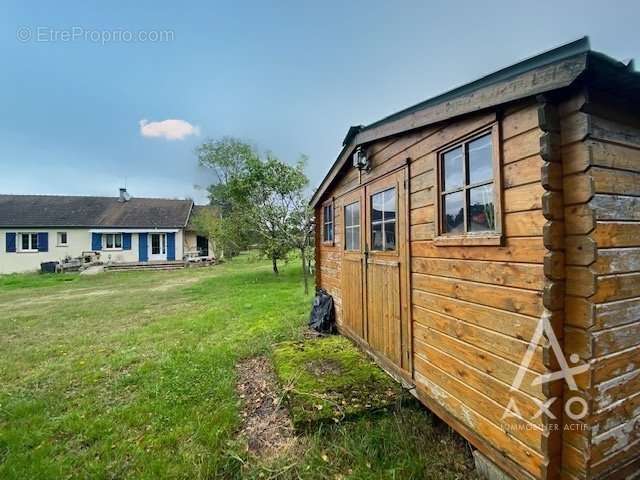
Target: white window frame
(111,238)
(31,235)
(60,243)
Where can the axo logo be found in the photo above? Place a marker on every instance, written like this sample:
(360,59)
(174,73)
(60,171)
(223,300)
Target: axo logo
(575,407)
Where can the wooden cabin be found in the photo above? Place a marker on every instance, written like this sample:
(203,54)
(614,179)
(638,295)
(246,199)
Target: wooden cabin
(460,238)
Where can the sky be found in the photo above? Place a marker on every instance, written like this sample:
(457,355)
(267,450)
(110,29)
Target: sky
(99,95)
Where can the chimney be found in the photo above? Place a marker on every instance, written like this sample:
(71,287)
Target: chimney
(124,195)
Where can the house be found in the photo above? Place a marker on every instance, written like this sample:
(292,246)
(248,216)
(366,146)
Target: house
(123,229)
(484,247)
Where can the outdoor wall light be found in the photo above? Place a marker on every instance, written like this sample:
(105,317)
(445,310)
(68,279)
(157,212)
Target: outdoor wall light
(360,160)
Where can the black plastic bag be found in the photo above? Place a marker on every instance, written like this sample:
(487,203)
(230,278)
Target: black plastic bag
(323,318)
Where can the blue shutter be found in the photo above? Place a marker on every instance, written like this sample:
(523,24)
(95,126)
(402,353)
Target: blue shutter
(43,242)
(11,242)
(126,241)
(143,256)
(96,242)
(171,246)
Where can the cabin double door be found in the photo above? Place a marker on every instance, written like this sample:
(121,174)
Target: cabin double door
(374,268)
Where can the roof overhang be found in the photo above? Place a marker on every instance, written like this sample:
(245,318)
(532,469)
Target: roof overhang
(552,70)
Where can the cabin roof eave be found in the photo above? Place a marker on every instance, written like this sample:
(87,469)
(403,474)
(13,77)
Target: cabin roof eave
(548,71)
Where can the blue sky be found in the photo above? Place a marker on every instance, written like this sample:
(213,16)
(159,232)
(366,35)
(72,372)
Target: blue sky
(290,77)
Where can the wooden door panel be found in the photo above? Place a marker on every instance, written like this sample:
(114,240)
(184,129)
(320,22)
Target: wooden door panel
(384,313)
(352,298)
(386,317)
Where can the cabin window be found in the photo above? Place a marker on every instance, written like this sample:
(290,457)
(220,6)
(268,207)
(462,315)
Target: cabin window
(383,220)
(468,194)
(113,241)
(352,226)
(28,242)
(62,239)
(327,219)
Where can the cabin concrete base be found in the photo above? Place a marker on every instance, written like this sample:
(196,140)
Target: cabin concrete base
(487,469)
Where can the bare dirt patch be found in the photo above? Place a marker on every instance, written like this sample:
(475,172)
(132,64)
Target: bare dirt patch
(324,366)
(265,422)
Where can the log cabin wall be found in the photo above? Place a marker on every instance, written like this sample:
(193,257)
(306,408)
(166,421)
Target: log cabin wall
(601,160)
(474,309)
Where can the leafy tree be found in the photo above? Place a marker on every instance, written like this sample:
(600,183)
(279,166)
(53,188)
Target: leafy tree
(228,158)
(259,200)
(302,238)
(271,199)
(221,232)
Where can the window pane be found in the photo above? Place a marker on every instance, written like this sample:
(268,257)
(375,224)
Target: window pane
(376,237)
(353,238)
(481,215)
(118,240)
(330,237)
(328,214)
(352,214)
(390,235)
(25,241)
(34,241)
(377,205)
(480,160)
(352,226)
(452,169)
(390,204)
(155,244)
(452,208)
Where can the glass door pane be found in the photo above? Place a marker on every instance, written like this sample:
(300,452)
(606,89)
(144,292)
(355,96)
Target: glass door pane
(155,244)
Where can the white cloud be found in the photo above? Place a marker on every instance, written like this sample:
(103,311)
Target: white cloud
(171,129)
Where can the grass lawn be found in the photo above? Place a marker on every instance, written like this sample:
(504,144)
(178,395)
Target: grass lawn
(132,375)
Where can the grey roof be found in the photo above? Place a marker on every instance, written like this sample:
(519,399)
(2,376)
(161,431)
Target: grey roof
(92,212)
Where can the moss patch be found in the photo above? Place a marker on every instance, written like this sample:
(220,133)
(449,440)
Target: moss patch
(330,380)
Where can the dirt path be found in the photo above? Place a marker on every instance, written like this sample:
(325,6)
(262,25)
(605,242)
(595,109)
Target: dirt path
(265,422)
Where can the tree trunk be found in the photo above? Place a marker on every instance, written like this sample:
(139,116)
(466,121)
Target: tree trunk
(275,265)
(304,271)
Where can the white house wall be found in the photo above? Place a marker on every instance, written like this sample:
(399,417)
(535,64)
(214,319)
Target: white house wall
(78,241)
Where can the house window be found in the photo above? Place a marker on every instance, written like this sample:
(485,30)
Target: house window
(383,220)
(327,219)
(352,226)
(28,242)
(62,239)
(468,188)
(113,241)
